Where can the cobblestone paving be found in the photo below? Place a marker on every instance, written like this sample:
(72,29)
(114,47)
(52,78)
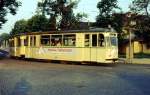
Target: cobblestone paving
(38,78)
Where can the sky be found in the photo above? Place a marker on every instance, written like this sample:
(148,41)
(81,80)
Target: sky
(28,8)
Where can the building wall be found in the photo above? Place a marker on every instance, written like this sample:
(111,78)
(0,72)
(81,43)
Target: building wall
(145,49)
(122,49)
(137,47)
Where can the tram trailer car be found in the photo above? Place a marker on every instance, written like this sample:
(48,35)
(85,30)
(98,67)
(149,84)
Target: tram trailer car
(100,46)
(4,45)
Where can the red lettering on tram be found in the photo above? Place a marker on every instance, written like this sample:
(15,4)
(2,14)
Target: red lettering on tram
(60,50)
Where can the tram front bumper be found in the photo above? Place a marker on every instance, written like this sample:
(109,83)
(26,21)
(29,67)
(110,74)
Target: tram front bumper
(112,60)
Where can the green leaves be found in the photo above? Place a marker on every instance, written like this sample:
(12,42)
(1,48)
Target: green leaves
(4,36)
(34,24)
(106,9)
(19,27)
(58,8)
(8,6)
(140,6)
(38,23)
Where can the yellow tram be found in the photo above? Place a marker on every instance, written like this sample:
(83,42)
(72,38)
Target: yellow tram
(95,45)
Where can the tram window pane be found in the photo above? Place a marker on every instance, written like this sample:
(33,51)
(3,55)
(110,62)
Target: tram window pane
(45,40)
(12,43)
(34,40)
(94,40)
(113,41)
(101,42)
(26,42)
(18,42)
(31,41)
(69,40)
(87,40)
(56,40)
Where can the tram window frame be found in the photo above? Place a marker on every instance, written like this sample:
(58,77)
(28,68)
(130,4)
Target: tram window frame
(69,40)
(108,44)
(56,40)
(87,40)
(101,40)
(94,44)
(47,39)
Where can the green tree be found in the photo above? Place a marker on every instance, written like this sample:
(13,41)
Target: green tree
(49,8)
(140,6)
(4,36)
(106,9)
(68,18)
(38,23)
(118,22)
(7,6)
(19,27)
(55,8)
(143,28)
(76,21)
(81,16)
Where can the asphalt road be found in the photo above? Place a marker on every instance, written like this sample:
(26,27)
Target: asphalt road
(39,78)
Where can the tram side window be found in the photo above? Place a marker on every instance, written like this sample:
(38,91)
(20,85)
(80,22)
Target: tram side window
(26,42)
(12,43)
(18,42)
(69,40)
(45,40)
(94,40)
(33,41)
(56,40)
(101,42)
(87,40)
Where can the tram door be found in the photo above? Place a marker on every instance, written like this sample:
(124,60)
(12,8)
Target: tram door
(22,46)
(93,48)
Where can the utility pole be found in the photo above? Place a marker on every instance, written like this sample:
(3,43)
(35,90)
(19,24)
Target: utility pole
(129,53)
(130,46)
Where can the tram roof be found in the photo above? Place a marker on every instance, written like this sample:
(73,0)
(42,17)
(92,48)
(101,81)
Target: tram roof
(69,31)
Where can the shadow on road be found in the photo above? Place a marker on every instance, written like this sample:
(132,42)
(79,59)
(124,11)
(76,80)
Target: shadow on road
(22,88)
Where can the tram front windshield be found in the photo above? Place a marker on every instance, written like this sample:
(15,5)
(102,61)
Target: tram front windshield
(113,41)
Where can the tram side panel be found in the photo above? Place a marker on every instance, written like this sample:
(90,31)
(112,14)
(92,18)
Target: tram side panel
(37,51)
(74,53)
(67,54)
